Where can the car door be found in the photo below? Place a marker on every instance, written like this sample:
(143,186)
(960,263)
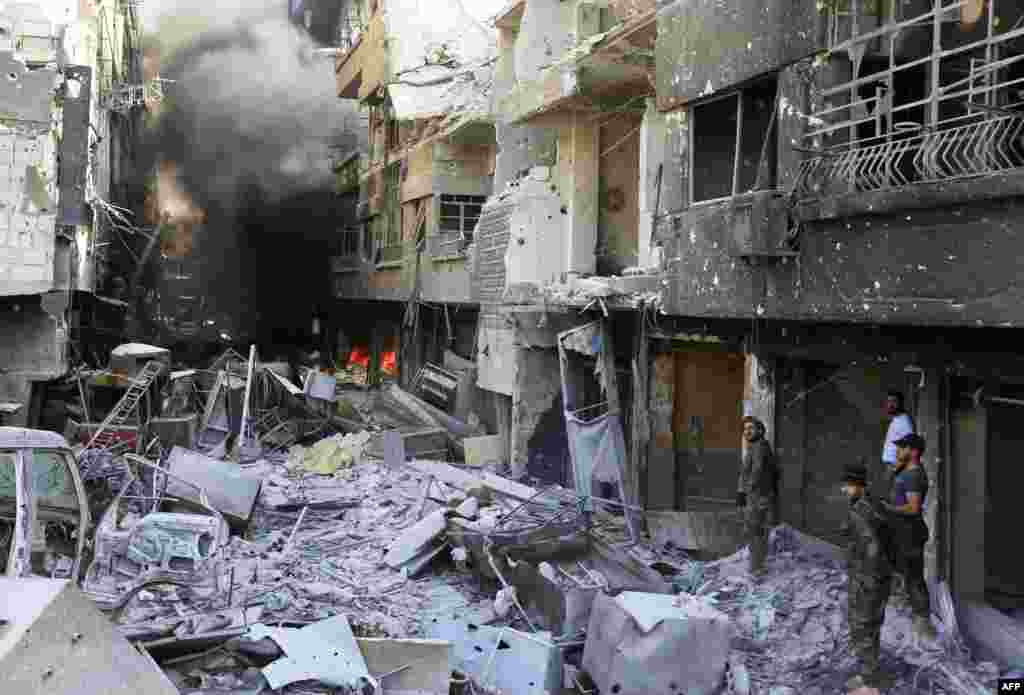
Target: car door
(61,516)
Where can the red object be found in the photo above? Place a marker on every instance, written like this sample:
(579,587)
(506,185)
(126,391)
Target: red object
(361,356)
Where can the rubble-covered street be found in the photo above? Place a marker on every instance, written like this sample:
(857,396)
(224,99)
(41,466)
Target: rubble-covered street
(511,347)
(349,564)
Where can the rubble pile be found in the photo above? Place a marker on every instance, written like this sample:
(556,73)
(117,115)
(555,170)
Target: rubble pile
(304,540)
(792,636)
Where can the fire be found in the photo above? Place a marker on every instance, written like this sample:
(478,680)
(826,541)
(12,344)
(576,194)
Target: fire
(361,356)
(175,211)
(174,205)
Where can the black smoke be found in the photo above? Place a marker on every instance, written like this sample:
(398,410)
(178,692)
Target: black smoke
(249,119)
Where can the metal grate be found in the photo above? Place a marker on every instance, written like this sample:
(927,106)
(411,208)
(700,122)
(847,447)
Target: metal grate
(917,109)
(971,150)
(127,97)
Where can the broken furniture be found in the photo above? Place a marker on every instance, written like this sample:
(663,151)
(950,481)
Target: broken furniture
(640,643)
(53,641)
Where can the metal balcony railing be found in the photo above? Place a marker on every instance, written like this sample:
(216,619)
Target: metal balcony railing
(985,147)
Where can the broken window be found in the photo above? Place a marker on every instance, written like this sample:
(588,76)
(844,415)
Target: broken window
(460,213)
(389,222)
(919,92)
(734,148)
(58,514)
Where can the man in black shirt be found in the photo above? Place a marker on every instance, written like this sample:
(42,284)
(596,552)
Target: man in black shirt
(905,504)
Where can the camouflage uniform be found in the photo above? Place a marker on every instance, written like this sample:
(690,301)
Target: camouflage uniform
(757,485)
(870,573)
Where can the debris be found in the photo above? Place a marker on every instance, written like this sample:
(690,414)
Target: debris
(232,490)
(503,659)
(134,545)
(409,665)
(718,532)
(487,453)
(470,509)
(330,455)
(421,538)
(175,431)
(394,449)
(54,641)
(325,651)
(321,386)
(468,481)
(635,639)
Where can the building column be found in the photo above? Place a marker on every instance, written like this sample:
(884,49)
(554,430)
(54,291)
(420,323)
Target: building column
(652,160)
(931,424)
(584,168)
(759,393)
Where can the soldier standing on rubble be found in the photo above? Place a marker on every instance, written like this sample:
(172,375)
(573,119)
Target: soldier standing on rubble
(905,504)
(757,491)
(870,574)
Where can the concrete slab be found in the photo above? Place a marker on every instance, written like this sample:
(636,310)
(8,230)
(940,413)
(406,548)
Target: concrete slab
(429,665)
(416,539)
(56,642)
(642,643)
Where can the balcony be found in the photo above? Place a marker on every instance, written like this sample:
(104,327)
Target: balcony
(929,102)
(614,65)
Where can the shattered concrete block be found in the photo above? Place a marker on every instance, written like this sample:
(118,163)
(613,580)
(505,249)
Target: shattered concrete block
(416,539)
(642,643)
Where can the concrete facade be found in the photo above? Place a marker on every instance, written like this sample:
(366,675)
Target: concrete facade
(676,169)
(54,174)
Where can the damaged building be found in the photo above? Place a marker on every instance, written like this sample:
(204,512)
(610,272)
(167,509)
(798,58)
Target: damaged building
(777,209)
(841,198)
(421,182)
(509,279)
(66,217)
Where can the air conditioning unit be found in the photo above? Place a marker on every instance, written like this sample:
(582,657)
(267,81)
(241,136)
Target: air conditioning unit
(758,223)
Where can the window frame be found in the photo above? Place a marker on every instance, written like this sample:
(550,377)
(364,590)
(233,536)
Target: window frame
(739,95)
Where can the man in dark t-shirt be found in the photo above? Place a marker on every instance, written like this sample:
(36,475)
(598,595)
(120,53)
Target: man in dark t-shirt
(905,504)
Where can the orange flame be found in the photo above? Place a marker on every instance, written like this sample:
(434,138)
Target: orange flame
(361,356)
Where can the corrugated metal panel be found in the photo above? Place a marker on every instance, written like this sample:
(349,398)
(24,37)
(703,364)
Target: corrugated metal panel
(492,236)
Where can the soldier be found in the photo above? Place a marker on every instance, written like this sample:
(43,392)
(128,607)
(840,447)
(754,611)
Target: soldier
(757,491)
(905,504)
(870,573)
